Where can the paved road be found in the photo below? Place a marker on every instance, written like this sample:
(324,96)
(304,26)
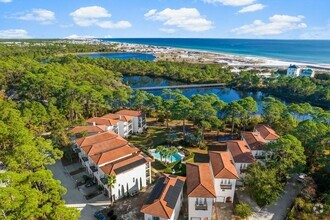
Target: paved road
(73,197)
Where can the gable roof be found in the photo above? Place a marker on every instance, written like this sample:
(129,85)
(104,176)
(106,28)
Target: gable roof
(222,165)
(254,140)
(114,154)
(200,180)
(102,121)
(164,196)
(89,140)
(130,113)
(240,152)
(104,146)
(118,117)
(267,132)
(125,164)
(88,129)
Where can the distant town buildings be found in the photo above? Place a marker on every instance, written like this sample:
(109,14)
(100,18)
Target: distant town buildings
(296,71)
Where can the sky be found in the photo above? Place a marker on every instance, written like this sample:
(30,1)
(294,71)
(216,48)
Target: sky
(258,19)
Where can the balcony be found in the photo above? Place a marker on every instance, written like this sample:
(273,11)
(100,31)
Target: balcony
(93,168)
(85,159)
(77,150)
(201,206)
(242,170)
(226,186)
(260,157)
(104,180)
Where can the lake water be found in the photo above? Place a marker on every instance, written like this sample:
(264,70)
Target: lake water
(225,94)
(121,56)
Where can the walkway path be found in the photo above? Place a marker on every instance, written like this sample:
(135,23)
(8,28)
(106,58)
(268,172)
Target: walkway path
(182,86)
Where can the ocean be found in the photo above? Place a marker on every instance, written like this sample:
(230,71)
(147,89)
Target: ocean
(307,51)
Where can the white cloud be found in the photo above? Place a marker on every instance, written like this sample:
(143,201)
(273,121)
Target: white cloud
(317,33)
(231,2)
(96,16)
(278,24)
(107,36)
(13,33)
(66,25)
(75,36)
(168,30)
(188,19)
(252,8)
(41,15)
(5,1)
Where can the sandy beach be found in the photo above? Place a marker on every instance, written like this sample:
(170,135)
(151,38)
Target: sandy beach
(197,56)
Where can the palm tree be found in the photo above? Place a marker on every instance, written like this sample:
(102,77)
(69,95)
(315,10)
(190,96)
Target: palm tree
(161,150)
(111,183)
(172,151)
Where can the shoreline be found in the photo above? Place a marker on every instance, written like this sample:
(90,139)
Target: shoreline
(228,59)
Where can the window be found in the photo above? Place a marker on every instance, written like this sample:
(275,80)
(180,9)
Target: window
(133,179)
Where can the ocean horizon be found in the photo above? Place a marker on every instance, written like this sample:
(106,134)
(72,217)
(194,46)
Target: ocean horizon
(304,51)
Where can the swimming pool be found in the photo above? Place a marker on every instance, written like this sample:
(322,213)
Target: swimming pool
(175,157)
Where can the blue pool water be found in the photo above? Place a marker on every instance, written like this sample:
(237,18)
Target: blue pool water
(173,158)
(311,51)
(121,56)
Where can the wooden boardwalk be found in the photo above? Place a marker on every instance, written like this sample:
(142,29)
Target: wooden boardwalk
(190,86)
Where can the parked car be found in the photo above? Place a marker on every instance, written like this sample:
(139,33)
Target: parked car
(301,177)
(99,215)
(133,193)
(89,183)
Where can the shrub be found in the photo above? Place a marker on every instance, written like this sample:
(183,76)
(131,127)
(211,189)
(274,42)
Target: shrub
(243,210)
(114,217)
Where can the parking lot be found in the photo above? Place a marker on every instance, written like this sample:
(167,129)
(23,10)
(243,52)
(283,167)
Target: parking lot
(76,195)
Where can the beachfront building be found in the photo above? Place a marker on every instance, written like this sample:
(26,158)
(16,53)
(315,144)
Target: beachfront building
(224,175)
(165,200)
(293,71)
(308,73)
(139,119)
(107,154)
(266,132)
(200,190)
(241,155)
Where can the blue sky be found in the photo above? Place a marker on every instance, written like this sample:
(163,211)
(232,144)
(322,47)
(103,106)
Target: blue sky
(265,19)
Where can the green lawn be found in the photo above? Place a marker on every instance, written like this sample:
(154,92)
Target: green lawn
(153,137)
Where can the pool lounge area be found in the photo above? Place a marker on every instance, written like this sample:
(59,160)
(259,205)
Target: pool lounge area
(175,157)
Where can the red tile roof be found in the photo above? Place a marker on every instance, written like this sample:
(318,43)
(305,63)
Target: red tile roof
(104,146)
(267,132)
(96,138)
(118,117)
(200,180)
(130,113)
(88,129)
(254,140)
(240,152)
(159,207)
(131,161)
(222,165)
(114,154)
(103,121)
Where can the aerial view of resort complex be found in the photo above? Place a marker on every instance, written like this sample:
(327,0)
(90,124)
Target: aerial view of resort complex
(164,110)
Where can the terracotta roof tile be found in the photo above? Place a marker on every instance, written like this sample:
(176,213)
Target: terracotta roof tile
(158,206)
(130,113)
(200,180)
(113,155)
(88,129)
(118,117)
(240,152)
(130,161)
(104,146)
(103,121)
(254,140)
(267,132)
(222,165)
(96,138)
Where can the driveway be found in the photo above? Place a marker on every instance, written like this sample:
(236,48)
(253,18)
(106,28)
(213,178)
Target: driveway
(280,209)
(74,197)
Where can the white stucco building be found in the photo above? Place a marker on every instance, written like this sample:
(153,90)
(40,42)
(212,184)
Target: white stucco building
(165,200)
(107,153)
(200,190)
(139,119)
(241,155)
(293,71)
(224,174)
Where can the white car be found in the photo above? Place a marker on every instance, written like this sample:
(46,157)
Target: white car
(301,177)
